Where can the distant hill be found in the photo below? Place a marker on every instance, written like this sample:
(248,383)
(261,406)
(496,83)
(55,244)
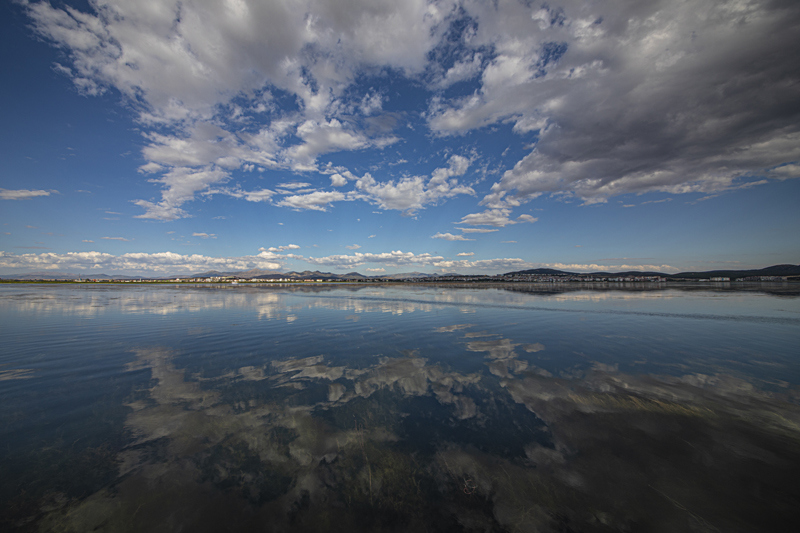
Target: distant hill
(541,272)
(253,273)
(407,275)
(775,270)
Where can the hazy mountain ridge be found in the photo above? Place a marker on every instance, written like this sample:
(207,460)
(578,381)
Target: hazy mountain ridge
(775,270)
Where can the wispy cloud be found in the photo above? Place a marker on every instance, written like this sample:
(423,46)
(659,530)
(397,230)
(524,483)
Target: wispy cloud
(280,248)
(205,235)
(115,239)
(23,194)
(593,267)
(450,237)
(477,230)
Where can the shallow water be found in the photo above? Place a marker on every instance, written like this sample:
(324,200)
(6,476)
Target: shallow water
(420,407)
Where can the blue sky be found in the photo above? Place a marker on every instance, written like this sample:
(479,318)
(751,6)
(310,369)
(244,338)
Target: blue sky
(160,137)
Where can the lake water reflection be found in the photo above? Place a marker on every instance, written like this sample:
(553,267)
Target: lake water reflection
(399,408)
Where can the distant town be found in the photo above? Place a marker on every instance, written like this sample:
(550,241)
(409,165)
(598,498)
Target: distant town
(777,273)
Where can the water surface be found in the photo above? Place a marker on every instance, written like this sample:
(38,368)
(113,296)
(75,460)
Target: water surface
(393,408)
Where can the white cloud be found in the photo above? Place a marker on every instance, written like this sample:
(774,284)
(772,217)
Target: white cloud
(87,240)
(478,230)
(371,103)
(316,201)
(394,258)
(450,237)
(185,58)
(180,186)
(413,193)
(261,195)
(294,185)
(593,267)
(280,248)
(491,265)
(375,270)
(337,180)
(22,194)
(162,263)
(321,137)
(667,96)
(181,65)
(460,71)
(150,168)
(465,254)
(205,235)
(616,97)
(494,217)
(353,247)
(115,239)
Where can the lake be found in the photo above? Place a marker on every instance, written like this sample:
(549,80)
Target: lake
(521,407)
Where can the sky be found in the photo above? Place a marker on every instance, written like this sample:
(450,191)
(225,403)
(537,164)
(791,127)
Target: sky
(160,137)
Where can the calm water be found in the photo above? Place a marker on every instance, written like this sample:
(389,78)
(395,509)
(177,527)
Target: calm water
(399,408)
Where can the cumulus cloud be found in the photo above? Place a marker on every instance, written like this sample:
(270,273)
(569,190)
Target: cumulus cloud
(450,237)
(394,258)
(494,217)
(337,180)
(413,193)
(22,194)
(328,136)
(135,263)
(486,265)
(465,254)
(315,201)
(197,72)
(183,59)
(663,96)
(614,97)
(353,247)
